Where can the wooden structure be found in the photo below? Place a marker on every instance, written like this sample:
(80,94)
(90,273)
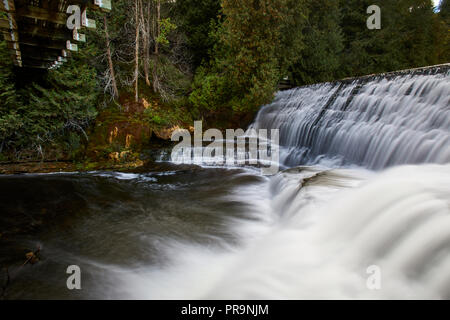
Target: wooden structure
(36,31)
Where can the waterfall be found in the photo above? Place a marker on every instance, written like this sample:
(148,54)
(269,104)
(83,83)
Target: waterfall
(365,187)
(336,212)
(313,235)
(375,121)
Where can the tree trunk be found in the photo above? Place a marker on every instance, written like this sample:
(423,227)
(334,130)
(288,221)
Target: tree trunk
(157,33)
(147,36)
(136,68)
(158,25)
(110,62)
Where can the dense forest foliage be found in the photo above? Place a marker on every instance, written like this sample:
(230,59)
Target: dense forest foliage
(216,60)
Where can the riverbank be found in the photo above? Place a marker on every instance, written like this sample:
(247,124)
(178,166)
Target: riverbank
(124,136)
(66,166)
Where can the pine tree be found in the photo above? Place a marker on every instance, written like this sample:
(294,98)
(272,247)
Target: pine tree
(444,10)
(442,32)
(405,39)
(255,44)
(197,19)
(319,61)
(10,120)
(63,103)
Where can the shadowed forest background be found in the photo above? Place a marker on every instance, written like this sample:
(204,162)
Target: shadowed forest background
(154,65)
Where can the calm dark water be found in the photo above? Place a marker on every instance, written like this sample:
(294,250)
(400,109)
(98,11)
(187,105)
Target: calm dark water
(105,221)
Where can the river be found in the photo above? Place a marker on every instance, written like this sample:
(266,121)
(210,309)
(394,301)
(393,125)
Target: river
(364,182)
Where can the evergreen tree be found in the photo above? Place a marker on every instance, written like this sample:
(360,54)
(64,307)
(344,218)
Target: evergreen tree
(60,106)
(405,39)
(418,33)
(444,10)
(10,120)
(255,44)
(197,19)
(319,61)
(65,102)
(442,32)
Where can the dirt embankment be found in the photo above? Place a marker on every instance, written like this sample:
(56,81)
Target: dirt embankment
(117,139)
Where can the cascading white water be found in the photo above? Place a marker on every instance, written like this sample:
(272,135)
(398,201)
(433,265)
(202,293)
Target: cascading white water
(317,229)
(315,234)
(375,122)
(365,186)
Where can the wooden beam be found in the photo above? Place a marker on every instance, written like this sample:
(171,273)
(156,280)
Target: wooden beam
(16,55)
(36,64)
(40,39)
(42,14)
(43,58)
(8,23)
(104,5)
(9,27)
(7,6)
(45,32)
(44,43)
(37,61)
(4,24)
(48,15)
(40,53)
(89,4)
(12,36)
(12,45)
(40,34)
(35,67)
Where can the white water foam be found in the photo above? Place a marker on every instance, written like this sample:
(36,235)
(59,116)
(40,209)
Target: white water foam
(315,237)
(374,123)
